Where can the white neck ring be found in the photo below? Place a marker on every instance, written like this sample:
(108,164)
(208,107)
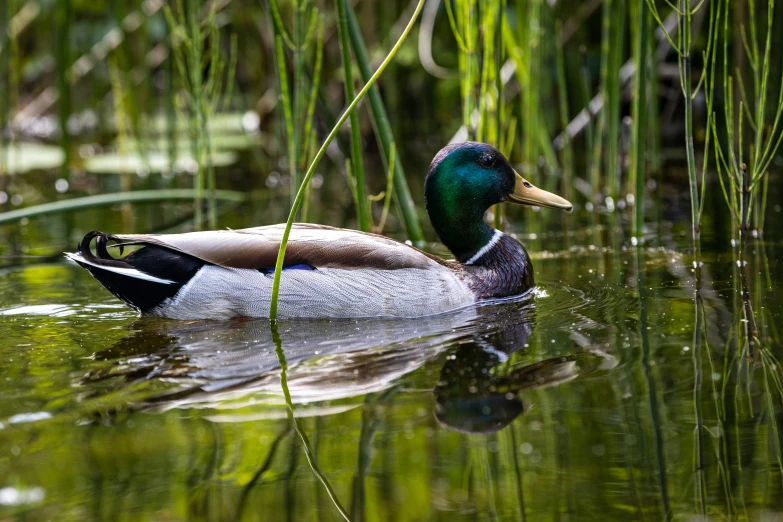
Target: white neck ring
(486,248)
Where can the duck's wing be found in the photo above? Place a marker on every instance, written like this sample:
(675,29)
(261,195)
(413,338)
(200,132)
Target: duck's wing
(318,246)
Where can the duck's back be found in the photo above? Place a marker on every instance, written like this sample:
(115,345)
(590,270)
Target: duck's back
(328,272)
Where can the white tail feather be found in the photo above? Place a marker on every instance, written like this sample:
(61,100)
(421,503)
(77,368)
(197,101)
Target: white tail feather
(129,272)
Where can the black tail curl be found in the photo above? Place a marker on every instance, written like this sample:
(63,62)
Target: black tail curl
(149,276)
(103,257)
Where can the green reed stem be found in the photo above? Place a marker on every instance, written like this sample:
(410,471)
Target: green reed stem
(384,134)
(309,135)
(639,139)
(195,86)
(533,43)
(298,87)
(357,162)
(567,159)
(606,40)
(614,101)
(6,10)
(64,18)
(288,113)
(389,191)
(329,138)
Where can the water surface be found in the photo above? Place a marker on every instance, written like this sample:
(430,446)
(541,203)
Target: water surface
(609,392)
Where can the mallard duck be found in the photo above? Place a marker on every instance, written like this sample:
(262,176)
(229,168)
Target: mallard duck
(334,272)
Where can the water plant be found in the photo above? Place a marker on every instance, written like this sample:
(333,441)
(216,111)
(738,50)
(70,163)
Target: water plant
(640,106)
(743,164)
(298,101)
(604,155)
(357,162)
(384,134)
(684,50)
(196,50)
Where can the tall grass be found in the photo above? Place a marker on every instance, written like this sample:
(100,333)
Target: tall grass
(640,106)
(384,135)
(311,170)
(479,35)
(297,99)
(196,50)
(357,162)
(64,18)
(603,170)
(684,49)
(6,83)
(743,164)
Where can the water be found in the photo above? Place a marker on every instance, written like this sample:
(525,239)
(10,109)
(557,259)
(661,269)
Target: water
(606,393)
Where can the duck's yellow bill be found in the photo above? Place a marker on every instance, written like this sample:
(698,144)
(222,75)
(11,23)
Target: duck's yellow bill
(525,193)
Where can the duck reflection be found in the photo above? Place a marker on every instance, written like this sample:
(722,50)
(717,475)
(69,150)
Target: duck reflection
(226,366)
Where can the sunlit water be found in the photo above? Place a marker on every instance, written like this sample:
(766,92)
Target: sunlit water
(606,393)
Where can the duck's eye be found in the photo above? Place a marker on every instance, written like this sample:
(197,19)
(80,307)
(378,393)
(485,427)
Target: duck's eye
(486,160)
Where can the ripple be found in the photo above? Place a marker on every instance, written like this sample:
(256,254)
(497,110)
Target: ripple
(49,310)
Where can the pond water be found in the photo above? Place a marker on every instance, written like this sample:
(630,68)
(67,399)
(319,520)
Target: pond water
(609,392)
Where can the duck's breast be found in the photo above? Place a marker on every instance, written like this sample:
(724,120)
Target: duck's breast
(218,292)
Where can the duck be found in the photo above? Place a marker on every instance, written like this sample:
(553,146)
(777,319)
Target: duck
(333,272)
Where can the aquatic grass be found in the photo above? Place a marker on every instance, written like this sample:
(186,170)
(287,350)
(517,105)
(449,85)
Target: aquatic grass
(297,97)
(484,38)
(566,152)
(357,162)
(329,138)
(639,114)
(9,80)
(743,166)
(598,143)
(478,32)
(463,20)
(64,17)
(387,195)
(614,100)
(684,50)
(384,134)
(536,142)
(196,51)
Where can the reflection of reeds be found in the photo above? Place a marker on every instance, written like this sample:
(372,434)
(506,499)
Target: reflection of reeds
(652,393)
(306,447)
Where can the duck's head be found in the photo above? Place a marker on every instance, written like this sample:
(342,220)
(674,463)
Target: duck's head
(464,180)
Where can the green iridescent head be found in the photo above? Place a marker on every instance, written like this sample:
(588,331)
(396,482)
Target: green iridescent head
(464,180)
